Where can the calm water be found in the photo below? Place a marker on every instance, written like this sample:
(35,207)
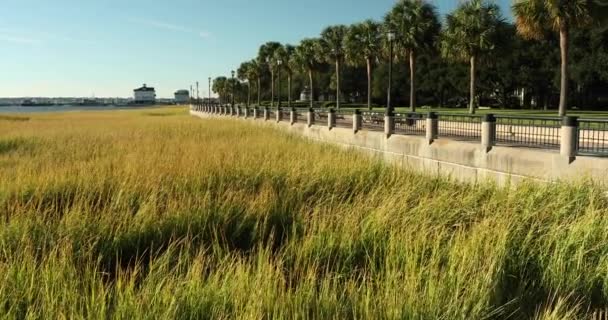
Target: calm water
(20,109)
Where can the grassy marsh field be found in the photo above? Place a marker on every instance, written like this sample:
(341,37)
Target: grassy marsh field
(154,214)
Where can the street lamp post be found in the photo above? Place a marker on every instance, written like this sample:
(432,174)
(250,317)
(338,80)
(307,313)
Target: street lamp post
(232,99)
(279,63)
(391,38)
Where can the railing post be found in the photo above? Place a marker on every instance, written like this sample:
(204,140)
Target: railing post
(432,127)
(310,119)
(246,112)
(225,110)
(331,118)
(293,116)
(357,121)
(389,124)
(279,115)
(266,114)
(488,132)
(569,138)
(238,111)
(255,113)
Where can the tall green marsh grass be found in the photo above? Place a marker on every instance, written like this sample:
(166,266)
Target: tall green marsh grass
(129,215)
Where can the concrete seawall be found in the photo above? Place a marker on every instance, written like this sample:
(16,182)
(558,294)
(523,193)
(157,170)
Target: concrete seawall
(465,161)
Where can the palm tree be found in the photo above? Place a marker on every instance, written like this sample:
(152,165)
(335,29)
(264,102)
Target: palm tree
(220,87)
(266,59)
(254,74)
(363,46)
(471,31)
(332,49)
(417,26)
(243,75)
(305,55)
(285,54)
(534,17)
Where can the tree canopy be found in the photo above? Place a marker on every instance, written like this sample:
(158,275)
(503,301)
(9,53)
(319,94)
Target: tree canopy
(472,57)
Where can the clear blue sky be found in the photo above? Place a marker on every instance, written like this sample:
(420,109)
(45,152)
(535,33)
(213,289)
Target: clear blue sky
(109,47)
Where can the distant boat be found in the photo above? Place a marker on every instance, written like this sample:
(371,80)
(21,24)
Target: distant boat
(32,103)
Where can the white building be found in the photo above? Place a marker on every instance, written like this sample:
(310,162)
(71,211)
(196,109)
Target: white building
(305,94)
(144,95)
(182,96)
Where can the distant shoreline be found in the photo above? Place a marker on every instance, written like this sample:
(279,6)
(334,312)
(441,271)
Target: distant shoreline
(63,108)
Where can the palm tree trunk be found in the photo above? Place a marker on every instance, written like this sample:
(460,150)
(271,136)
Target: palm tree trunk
(248,93)
(412,81)
(312,90)
(369,83)
(472,89)
(259,92)
(563,95)
(338,84)
(289,90)
(272,89)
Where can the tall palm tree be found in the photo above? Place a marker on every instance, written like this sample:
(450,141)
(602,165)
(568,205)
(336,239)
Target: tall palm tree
(266,60)
(305,55)
(363,46)
(332,48)
(534,17)
(417,26)
(243,75)
(254,74)
(471,31)
(285,54)
(220,87)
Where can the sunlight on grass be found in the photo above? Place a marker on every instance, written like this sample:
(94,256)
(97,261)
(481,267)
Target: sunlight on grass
(138,214)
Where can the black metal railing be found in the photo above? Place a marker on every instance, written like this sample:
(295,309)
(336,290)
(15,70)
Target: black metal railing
(532,132)
(320,118)
(301,115)
(593,137)
(460,126)
(410,124)
(272,114)
(515,131)
(372,121)
(285,115)
(344,119)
